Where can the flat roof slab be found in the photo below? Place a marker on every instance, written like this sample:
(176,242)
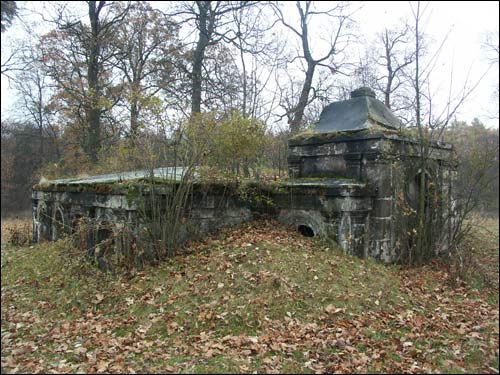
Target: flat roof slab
(170,173)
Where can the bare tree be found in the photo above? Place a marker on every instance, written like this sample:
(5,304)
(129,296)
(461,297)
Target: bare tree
(432,119)
(337,43)
(397,56)
(221,79)
(34,88)
(257,52)
(10,59)
(213,24)
(11,48)
(386,67)
(490,44)
(490,47)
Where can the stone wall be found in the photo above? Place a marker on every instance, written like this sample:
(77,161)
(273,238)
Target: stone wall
(388,164)
(345,187)
(107,214)
(337,210)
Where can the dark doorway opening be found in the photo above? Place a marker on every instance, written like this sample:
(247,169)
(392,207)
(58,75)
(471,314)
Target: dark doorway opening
(306,231)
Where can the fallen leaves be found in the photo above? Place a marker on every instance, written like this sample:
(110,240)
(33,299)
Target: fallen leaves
(98,298)
(235,302)
(332,310)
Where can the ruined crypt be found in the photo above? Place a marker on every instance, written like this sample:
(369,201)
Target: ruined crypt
(353,179)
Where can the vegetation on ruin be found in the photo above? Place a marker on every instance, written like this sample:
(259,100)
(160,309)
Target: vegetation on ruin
(219,88)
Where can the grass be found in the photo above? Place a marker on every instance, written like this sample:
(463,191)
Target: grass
(17,229)
(258,297)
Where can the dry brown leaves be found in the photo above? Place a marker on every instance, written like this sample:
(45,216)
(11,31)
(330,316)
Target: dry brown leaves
(441,322)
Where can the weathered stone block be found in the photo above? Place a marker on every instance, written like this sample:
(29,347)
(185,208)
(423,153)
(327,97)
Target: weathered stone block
(347,187)
(382,207)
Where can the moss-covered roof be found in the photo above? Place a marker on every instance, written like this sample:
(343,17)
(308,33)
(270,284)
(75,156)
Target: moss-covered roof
(168,173)
(322,182)
(362,111)
(310,137)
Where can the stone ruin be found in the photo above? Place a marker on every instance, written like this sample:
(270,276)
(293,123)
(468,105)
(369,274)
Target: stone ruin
(347,181)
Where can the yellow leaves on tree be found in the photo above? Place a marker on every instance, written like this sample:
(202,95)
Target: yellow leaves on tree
(230,142)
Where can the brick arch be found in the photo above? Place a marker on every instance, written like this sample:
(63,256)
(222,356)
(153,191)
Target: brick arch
(304,221)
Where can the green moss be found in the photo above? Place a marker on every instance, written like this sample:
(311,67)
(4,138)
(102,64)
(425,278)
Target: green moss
(273,187)
(310,137)
(102,188)
(133,192)
(319,179)
(256,195)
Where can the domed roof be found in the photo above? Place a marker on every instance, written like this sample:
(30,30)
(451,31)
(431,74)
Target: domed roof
(362,111)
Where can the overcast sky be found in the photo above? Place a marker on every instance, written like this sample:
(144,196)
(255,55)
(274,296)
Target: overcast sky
(464,23)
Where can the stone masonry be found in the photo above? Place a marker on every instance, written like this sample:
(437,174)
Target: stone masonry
(346,181)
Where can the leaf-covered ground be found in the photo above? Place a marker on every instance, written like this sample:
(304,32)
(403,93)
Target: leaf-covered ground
(256,298)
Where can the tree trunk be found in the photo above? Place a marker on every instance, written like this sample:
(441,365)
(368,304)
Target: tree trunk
(199,55)
(390,74)
(387,99)
(298,116)
(421,228)
(134,119)
(245,95)
(40,123)
(94,110)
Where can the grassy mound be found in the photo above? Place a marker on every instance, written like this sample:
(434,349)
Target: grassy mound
(259,297)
